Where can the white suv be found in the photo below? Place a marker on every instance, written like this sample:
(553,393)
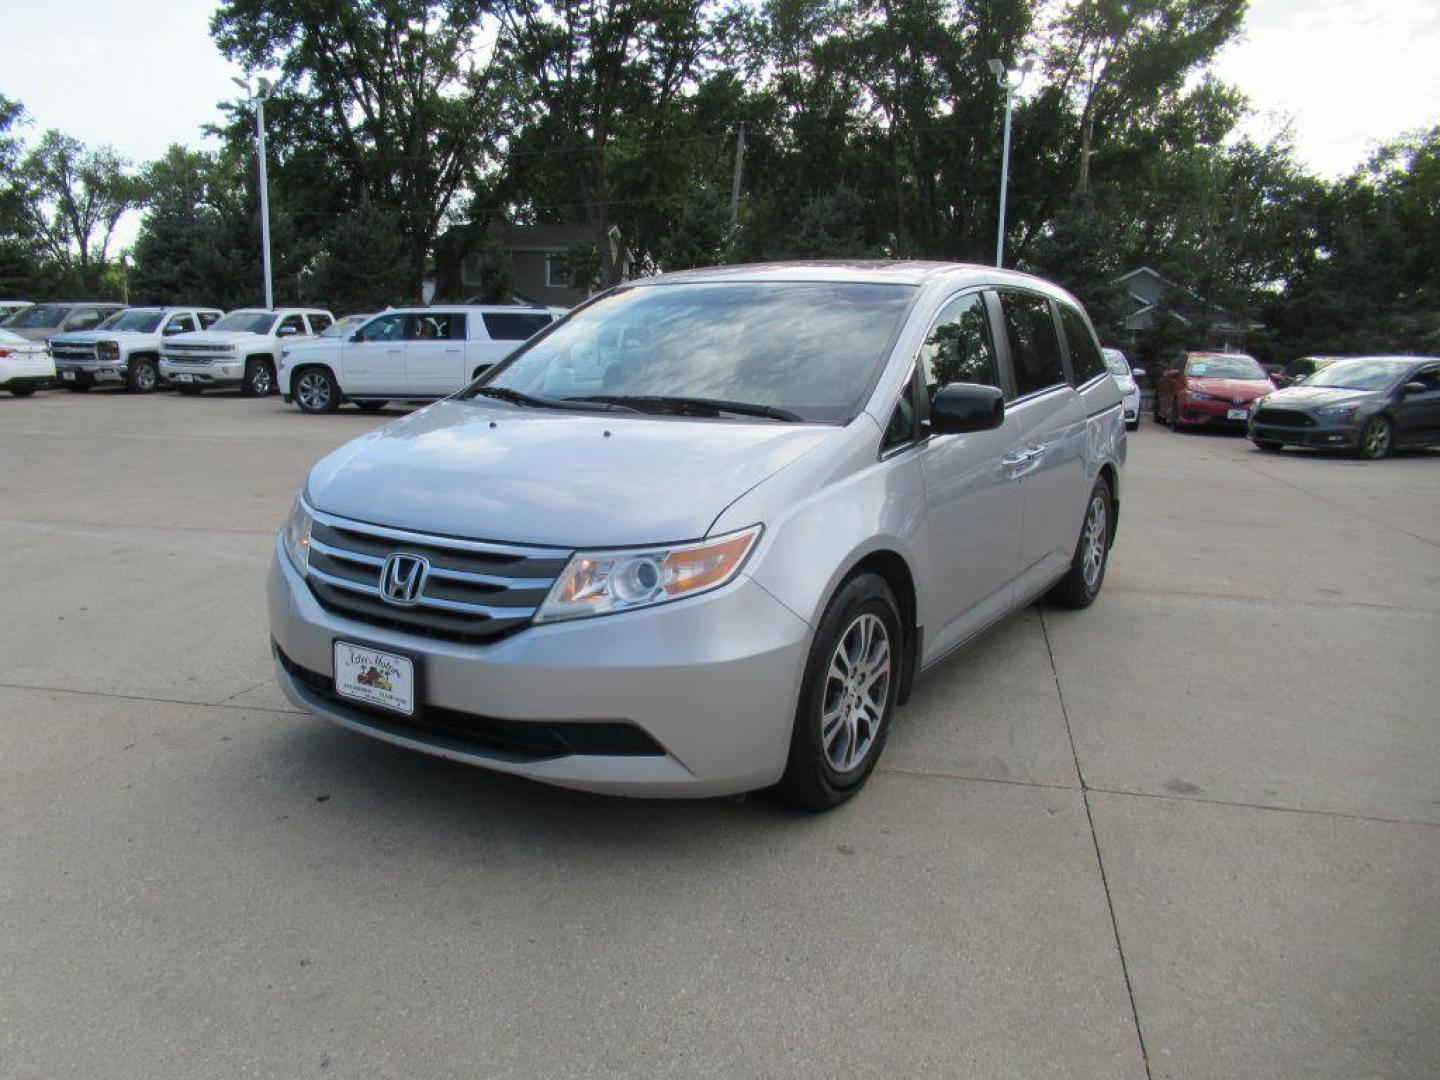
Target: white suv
(406,354)
(242,349)
(125,348)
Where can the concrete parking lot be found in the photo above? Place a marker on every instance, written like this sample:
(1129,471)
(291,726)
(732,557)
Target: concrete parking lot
(1191,832)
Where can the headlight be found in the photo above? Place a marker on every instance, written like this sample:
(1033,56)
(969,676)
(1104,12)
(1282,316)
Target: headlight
(1337,411)
(1198,395)
(108,350)
(601,582)
(296,535)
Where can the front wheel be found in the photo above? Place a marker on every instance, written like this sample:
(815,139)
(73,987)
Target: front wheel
(1377,439)
(316,392)
(259,378)
(1081,584)
(847,700)
(142,378)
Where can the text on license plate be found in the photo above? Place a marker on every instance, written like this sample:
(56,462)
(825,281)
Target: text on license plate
(182,378)
(1238,414)
(375,677)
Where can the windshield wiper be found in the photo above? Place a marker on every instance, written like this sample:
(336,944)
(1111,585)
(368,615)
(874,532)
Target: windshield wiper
(518,397)
(696,406)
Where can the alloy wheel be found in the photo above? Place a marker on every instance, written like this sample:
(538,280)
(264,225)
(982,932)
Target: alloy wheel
(1092,552)
(145,377)
(1376,440)
(313,390)
(857,688)
(261,383)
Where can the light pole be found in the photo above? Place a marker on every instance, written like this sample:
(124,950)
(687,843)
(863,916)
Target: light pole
(1002,76)
(258,99)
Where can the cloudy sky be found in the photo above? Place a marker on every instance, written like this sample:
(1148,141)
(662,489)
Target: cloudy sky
(140,75)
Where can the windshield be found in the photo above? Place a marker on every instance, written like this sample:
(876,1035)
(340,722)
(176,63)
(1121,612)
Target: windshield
(811,349)
(345,327)
(39,317)
(1359,374)
(143,322)
(1116,362)
(246,322)
(1219,366)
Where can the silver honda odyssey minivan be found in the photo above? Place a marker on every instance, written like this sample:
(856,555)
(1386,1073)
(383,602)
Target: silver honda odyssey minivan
(702,535)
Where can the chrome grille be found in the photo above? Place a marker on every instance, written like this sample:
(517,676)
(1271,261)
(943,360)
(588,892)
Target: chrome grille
(474,591)
(66,351)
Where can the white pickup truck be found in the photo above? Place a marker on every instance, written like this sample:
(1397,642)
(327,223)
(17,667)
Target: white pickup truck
(124,350)
(242,349)
(406,354)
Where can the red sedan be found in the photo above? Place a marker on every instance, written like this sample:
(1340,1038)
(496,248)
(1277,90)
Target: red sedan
(1210,389)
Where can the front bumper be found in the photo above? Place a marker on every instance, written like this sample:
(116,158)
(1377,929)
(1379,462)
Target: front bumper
(226,372)
(1323,435)
(713,680)
(87,372)
(1213,413)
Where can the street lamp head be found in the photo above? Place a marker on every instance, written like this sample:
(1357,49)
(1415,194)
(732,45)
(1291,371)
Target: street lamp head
(243,84)
(1026,67)
(998,67)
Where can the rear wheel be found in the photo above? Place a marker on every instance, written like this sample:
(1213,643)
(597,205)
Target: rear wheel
(142,378)
(259,378)
(848,697)
(1081,584)
(1377,439)
(315,391)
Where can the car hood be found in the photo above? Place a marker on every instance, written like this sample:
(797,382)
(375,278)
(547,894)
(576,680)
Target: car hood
(491,471)
(1310,397)
(216,337)
(1232,388)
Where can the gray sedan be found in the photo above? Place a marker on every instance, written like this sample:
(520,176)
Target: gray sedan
(1370,405)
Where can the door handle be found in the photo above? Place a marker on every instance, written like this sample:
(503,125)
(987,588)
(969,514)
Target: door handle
(1023,461)
(453,352)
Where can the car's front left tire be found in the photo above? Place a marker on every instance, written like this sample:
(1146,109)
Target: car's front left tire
(142,378)
(1377,439)
(315,390)
(259,379)
(847,699)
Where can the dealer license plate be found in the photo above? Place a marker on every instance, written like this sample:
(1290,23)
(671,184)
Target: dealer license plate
(1238,414)
(68,376)
(182,378)
(375,677)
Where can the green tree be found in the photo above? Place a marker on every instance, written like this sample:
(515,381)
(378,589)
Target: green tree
(364,262)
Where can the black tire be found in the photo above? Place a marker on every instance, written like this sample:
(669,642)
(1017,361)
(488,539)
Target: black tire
(259,378)
(142,376)
(315,390)
(1082,582)
(812,779)
(22,391)
(1377,439)
(1268,446)
(1133,425)
(371,406)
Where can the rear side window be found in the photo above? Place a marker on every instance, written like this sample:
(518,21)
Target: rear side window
(514,326)
(319,321)
(959,349)
(293,324)
(438,326)
(85,319)
(1086,361)
(1034,348)
(208,317)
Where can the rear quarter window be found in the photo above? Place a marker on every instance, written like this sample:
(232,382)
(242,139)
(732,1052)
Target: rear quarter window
(514,326)
(1086,360)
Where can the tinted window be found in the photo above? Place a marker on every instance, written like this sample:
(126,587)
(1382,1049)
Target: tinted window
(385,328)
(85,319)
(41,316)
(1034,349)
(1086,361)
(516,326)
(437,326)
(246,322)
(319,321)
(207,319)
(180,324)
(293,324)
(959,348)
(811,348)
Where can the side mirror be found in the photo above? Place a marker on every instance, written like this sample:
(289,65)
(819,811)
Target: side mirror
(962,407)
(286,331)
(1414,388)
(1137,373)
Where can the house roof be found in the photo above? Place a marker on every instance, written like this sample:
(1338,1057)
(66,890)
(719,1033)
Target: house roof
(541,237)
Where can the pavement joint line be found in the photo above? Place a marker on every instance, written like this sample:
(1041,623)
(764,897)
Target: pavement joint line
(153,700)
(52,523)
(1271,807)
(902,771)
(146,436)
(1272,601)
(1095,840)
